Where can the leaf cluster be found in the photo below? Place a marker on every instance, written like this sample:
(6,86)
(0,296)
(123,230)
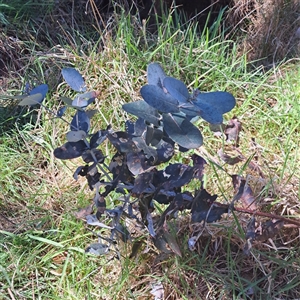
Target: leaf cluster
(141,169)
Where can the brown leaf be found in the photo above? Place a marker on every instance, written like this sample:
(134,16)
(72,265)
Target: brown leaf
(268,230)
(232,130)
(231,160)
(83,212)
(244,192)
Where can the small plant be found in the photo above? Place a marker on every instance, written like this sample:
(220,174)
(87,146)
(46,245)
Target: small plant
(141,170)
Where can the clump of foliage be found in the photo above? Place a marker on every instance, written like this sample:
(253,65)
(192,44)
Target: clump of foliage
(143,170)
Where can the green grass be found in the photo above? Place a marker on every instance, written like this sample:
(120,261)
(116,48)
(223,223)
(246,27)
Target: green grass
(42,244)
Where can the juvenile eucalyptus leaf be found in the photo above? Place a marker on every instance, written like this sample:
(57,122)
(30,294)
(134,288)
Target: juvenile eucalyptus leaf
(66,100)
(136,162)
(153,136)
(155,74)
(70,150)
(177,89)
(74,79)
(83,100)
(142,182)
(80,121)
(143,110)
(17,97)
(97,249)
(213,105)
(182,131)
(40,89)
(32,100)
(81,170)
(75,136)
(61,111)
(92,220)
(158,99)
(122,141)
(98,138)
(139,127)
(122,232)
(203,208)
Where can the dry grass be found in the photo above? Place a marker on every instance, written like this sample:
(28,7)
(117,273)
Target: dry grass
(269,29)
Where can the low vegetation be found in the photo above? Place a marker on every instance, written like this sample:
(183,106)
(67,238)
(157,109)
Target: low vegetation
(250,253)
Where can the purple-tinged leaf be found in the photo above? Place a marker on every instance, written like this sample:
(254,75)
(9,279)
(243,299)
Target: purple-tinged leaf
(74,79)
(136,162)
(80,121)
(70,150)
(159,100)
(165,152)
(203,208)
(244,192)
(232,130)
(122,142)
(178,175)
(199,164)
(75,136)
(81,170)
(155,74)
(182,131)
(142,182)
(92,155)
(268,230)
(61,111)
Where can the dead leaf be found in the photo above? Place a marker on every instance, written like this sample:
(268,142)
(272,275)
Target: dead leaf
(268,230)
(231,160)
(232,130)
(83,212)
(244,192)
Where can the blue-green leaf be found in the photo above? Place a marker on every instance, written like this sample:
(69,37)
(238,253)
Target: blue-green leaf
(74,79)
(182,131)
(155,74)
(157,98)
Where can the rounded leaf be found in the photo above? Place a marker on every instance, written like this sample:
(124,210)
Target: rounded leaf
(41,89)
(80,121)
(75,136)
(97,249)
(155,74)
(143,110)
(158,99)
(74,79)
(182,131)
(31,100)
(213,105)
(68,101)
(70,150)
(176,89)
